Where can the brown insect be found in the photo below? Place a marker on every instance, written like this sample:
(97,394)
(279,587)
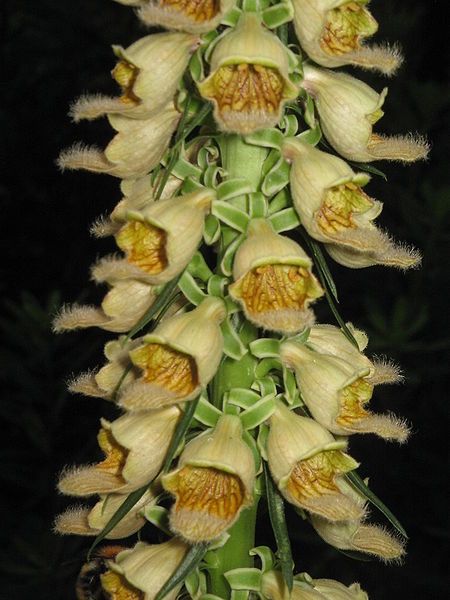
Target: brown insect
(88,586)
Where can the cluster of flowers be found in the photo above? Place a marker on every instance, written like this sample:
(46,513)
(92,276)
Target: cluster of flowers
(253,77)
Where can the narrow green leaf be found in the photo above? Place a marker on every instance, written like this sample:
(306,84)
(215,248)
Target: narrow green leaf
(356,555)
(323,266)
(276,512)
(369,169)
(190,289)
(188,564)
(120,513)
(359,484)
(180,432)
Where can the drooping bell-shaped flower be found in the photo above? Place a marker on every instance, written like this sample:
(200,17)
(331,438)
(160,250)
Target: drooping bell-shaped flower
(273,587)
(139,573)
(273,280)
(177,359)
(148,73)
(81,520)
(121,309)
(135,150)
(249,79)
(348,108)
(337,391)
(134,445)
(212,483)
(333,32)
(334,209)
(187,15)
(357,535)
(160,240)
(307,464)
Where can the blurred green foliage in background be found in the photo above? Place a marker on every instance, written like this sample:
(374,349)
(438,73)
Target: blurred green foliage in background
(51,52)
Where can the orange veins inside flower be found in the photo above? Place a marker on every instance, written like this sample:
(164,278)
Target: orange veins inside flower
(168,368)
(125,74)
(115,454)
(339,205)
(197,10)
(145,246)
(352,400)
(345,26)
(118,588)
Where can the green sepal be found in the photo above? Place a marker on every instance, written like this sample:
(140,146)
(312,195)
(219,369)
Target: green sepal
(259,412)
(261,440)
(311,136)
(190,289)
(211,175)
(198,267)
(250,441)
(239,595)
(359,484)
(217,286)
(184,169)
(180,432)
(231,188)
(266,557)
(244,579)
(232,17)
(226,264)
(211,233)
(282,200)
(284,220)
(191,185)
(206,413)
(266,365)
(242,397)
(230,215)
(289,124)
(233,346)
(278,14)
(291,392)
(251,5)
(266,386)
(159,517)
(278,521)
(257,205)
(196,584)
(196,66)
(309,114)
(277,178)
(268,138)
(190,562)
(265,348)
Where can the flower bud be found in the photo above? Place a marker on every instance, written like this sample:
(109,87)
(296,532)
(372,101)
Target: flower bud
(91,521)
(177,359)
(249,79)
(333,33)
(160,240)
(187,15)
(134,445)
(125,303)
(348,108)
(139,573)
(307,464)
(148,72)
(333,208)
(337,391)
(136,149)
(213,482)
(273,280)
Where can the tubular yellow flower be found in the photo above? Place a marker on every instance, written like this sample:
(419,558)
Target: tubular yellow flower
(307,464)
(177,359)
(139,573)
(160,240)
(273,280)
(333,208)
(121,308)
(80,520)
(213,482)
(148,72)
(348,109)
(249,80)
(332,32)
(187,15)
(134,445)
(337,391)
(136,149)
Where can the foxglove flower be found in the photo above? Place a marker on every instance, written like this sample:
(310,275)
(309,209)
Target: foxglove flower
(139,573)
(134,445)
(348,108)
(334,209)
(148,72)
(187,15)
(136,149)
(337,391)
(273,280)
(273,587)
(333,32)
(213,482)
(249,80)
(178,359)
(307,464)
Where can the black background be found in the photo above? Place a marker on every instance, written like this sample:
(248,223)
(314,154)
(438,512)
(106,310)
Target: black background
(51,52)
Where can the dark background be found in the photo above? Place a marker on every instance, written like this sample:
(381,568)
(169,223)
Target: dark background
(51,52)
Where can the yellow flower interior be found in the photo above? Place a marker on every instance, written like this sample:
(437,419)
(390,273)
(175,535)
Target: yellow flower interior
(340,203)
(164,366)
(125,74)
(118,588)
(345,26)
(352,400)
(144,245)
(197,10)
(277,287)
(115,454)
(316,476)
(207,490)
